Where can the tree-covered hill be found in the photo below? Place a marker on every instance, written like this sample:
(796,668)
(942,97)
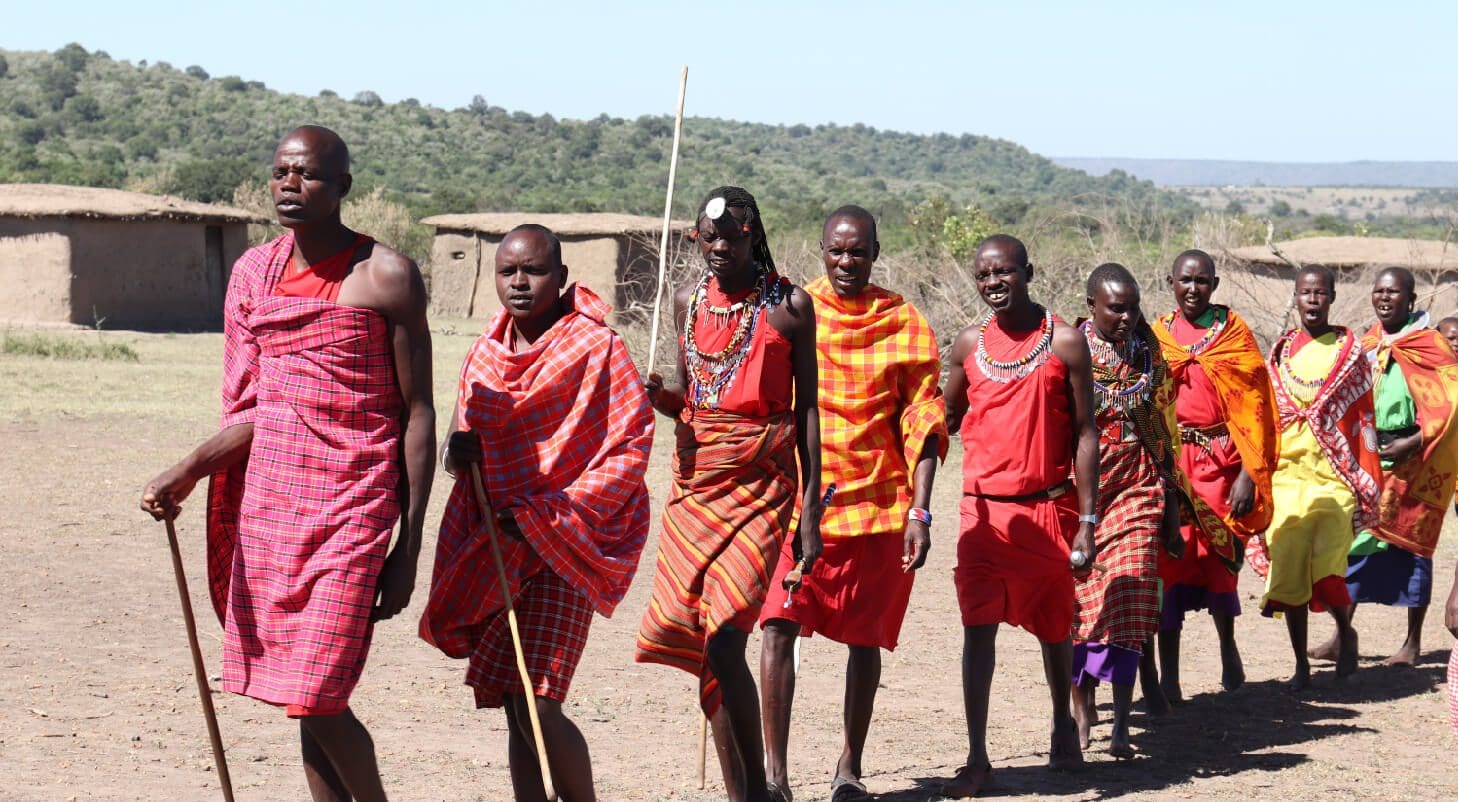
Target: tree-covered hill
(83,118)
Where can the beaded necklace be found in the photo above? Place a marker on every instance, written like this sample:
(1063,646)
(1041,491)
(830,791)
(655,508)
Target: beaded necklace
(1009,371)
(1303,390)
(1111,358)
(711,374)
(1209,337)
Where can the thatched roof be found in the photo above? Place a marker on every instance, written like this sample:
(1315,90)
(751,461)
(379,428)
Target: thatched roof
(1356,252)
(563,225)
(32,201)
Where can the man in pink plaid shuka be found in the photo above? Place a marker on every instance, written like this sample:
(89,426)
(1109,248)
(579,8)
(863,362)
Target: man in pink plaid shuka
(327,437)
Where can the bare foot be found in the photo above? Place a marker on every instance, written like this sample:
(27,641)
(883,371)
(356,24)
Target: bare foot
(1326,651)
(1155,702)
(1172,692)
(1084,714)
(1346,664)
(1064,753)
(1232,671)
(1301,680)
(968,782)
(1408,655)
(1120,748)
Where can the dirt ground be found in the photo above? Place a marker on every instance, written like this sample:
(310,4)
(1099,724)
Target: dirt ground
(100,701)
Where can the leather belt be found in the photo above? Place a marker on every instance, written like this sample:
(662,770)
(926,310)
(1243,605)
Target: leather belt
(1060,489)
(1204,436)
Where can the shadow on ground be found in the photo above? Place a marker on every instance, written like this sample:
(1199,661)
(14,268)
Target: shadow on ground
(1210,735)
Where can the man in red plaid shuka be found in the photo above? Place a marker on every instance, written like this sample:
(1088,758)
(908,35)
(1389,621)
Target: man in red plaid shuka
(552,408)
(326,386)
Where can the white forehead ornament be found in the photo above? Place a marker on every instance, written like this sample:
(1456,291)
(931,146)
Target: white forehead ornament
(714,209)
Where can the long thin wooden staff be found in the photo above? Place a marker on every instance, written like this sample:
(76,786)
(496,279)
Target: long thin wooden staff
(521,668)
(703,748)
(198,669)
(667,223)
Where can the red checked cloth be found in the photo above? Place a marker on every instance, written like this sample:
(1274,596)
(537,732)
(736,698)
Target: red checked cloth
(297,534)
(565,429)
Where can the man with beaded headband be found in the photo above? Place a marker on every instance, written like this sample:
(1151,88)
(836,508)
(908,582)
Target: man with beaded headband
(1327,471)
(1141,493)
(883,428)
(1227,426)
(744,397)
(1021,375)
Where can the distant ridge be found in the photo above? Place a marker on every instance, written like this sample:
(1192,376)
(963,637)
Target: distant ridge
(1212,172)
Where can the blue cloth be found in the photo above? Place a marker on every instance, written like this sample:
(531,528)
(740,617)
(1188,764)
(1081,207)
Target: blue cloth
(1393,576)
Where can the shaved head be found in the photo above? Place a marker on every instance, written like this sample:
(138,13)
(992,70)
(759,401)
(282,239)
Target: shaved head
(1110,274)
(851,212)
(326,145)
(1403,275)
(536,231)
(1009,245)
(1197,256)
(1328,277)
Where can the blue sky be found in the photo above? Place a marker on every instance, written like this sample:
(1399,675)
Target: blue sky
(1277,81)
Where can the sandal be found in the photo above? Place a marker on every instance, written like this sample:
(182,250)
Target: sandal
(778,794)
(846,790)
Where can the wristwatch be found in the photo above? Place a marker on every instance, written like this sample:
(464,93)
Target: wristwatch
(1089,519)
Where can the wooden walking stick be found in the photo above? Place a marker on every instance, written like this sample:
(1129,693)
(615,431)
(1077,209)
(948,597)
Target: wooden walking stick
(198,669)
(521,668)
(703,748)
(667,223)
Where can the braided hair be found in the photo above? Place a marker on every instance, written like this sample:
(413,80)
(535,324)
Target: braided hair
(739,198)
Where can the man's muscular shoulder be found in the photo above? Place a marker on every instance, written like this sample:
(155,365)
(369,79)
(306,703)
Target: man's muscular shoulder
(393,284)
(1069,344)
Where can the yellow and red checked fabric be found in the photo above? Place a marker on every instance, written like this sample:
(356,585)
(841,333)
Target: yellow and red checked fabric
(879,402)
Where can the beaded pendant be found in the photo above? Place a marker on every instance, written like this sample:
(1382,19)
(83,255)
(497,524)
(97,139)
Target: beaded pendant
(1020,368)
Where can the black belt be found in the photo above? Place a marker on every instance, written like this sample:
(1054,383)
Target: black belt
(1053,492)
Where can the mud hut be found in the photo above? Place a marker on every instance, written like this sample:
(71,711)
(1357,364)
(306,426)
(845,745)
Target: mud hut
(1258,283)
(616,255)
(81,256)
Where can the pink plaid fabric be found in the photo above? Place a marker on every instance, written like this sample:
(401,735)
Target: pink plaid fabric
(297,534)
(565,429)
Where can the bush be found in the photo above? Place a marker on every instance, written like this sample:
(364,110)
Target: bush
(368,98)
(197,72)
(210,180)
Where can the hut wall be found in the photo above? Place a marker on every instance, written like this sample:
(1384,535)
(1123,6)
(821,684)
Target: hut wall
(455,261)
(150,274)
(591,260)
(35,271)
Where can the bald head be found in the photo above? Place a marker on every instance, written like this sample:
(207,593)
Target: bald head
(1196,258)
(854,214)
(1401,275)
(1006,244)
(326,146)
(534,234)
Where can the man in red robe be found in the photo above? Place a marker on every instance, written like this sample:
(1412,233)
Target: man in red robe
(1022,376)
(554,412)
(327,439)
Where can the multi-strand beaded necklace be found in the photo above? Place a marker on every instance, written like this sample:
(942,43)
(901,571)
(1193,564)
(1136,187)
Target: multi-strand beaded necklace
(710,374)
(1110,359)
(1303,390)
(1009,371)
(1211,334)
